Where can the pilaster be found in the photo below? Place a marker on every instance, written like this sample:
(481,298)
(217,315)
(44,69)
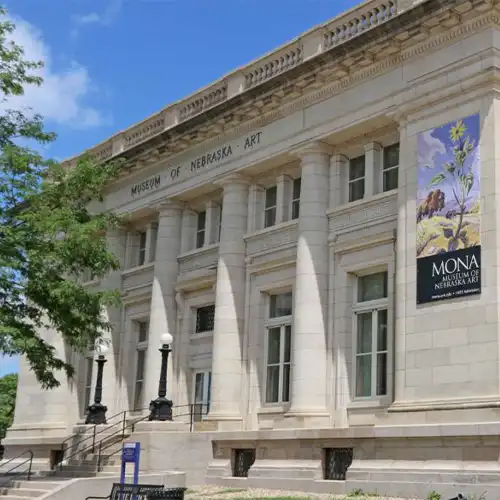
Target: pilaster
(188,229)
(373,169)
(284,194)
(338,165)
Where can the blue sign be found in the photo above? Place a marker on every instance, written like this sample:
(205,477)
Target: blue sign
(130,454)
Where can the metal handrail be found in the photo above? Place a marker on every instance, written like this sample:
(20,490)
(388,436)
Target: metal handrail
(93,436)
(10,471)
(131,425)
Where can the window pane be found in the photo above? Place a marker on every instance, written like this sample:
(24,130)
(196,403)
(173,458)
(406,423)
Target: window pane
(209,390)
(357,168)
(356,190)
(198,387)
(288,341)
(142,240)
(138,396)
(205,319)
(390,179)
(280,305)
(364,337)
(90,366)
(272,384)
(270,217)
(391,156)
(382,330)
(143,331)
(141,355)
(372,287)
(200,239)
(271,196)
(296,188)
(363,375)
(295,209)
(381,374)
(201,221)
(286,383)
(273,345)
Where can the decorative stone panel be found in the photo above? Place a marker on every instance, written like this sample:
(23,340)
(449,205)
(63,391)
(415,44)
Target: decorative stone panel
(138,277)
(272,238)
(199,259)
(357,215)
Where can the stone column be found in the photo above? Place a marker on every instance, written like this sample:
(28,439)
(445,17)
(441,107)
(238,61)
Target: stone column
(230,305)
(112,379)
(163,315)
(308,377)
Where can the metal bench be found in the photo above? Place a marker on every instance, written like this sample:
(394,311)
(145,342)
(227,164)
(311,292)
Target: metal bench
(125,491)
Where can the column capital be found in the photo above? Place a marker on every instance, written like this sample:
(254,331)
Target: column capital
(312,148)
(232,180)
(372,146)
(169,207)
(338,158)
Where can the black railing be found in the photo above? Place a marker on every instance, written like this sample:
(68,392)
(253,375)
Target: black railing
(116,432)
(195,413)
(13,472)
(71,451)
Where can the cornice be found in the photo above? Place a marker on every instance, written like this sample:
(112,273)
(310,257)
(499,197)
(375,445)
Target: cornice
(349,64)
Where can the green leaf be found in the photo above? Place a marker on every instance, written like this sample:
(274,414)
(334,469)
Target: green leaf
(437,179)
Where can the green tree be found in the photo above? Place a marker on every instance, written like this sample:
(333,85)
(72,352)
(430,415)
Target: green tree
(8,387)
(48,236)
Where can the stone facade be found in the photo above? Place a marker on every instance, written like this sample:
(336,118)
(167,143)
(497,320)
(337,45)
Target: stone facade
(262,209)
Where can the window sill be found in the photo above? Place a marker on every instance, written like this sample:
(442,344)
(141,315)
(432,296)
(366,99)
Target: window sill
(273,408)
(381,402)
(201,335)
(270,229)
(364,202)
(138,269)
(198,251)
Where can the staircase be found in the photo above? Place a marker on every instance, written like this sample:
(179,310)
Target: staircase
(95,453)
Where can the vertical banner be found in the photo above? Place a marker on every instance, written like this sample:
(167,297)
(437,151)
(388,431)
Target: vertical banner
(448,237)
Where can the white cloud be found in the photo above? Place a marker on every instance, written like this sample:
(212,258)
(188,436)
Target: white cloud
(61,98)
(105,18)
(428,148)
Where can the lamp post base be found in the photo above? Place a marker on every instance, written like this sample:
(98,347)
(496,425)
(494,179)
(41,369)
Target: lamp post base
(96,414)
(160,409)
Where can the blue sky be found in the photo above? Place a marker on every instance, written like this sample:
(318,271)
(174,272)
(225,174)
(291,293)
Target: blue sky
(111,63)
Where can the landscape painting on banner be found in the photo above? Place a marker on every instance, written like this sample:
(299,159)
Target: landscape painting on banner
(449,211)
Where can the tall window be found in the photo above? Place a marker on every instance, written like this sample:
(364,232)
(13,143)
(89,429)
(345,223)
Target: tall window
(270,207)
(142,248)
(202,393)
(357,178)
(200,229)
(89,366)
(279,338)
(390,168)
(296,198)
(219,223)
(205,319)
(142,329)
(371,316)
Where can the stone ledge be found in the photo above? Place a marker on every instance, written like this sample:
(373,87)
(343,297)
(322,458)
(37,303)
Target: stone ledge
(394,431)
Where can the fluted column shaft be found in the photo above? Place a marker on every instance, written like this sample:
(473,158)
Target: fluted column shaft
(230,303)
(311,286)
(163,315)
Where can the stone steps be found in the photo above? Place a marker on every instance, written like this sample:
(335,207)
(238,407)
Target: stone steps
(24,490)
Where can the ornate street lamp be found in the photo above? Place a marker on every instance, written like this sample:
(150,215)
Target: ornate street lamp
(161,407)
(96,412)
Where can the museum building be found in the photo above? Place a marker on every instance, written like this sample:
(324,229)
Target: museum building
(312,229)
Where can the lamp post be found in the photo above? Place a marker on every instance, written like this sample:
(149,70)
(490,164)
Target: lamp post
(161,407)
(96,412)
